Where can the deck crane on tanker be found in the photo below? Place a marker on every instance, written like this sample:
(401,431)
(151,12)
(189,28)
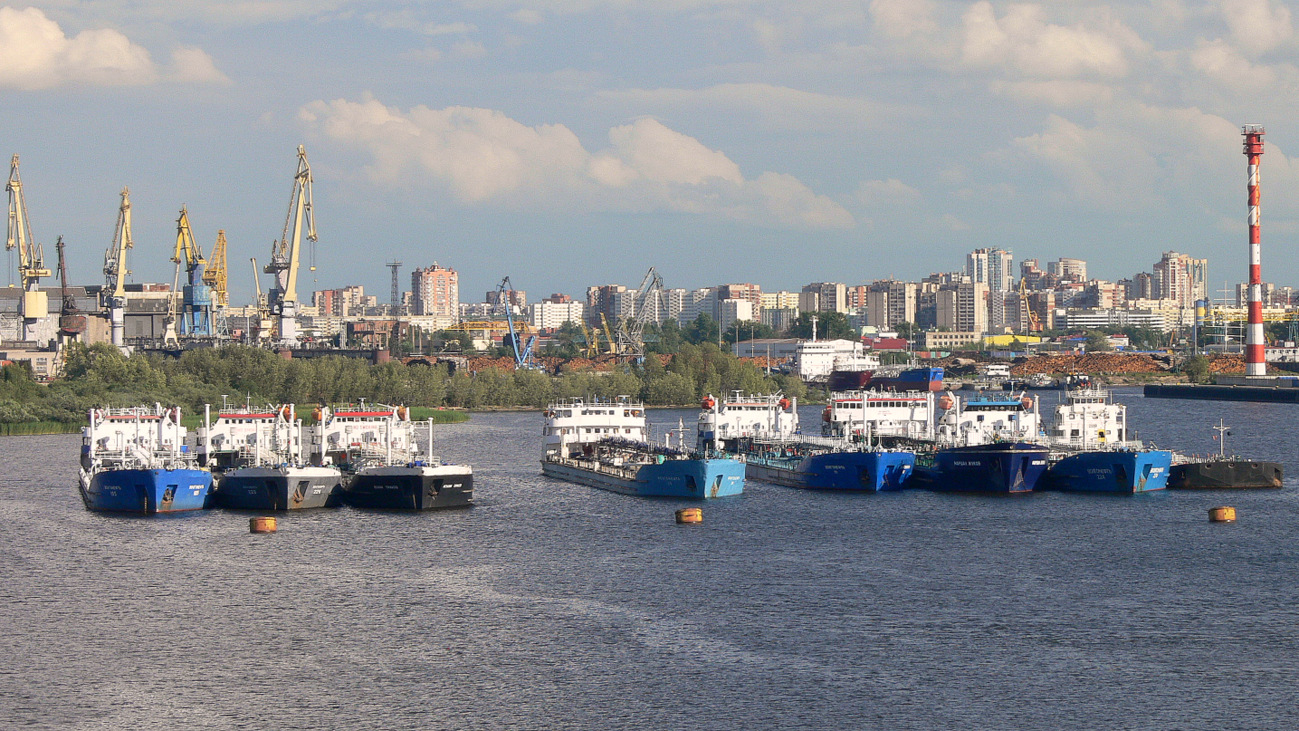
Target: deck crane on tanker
(115,272)
(31,257)
(522,358)
(286,254)
(196,302)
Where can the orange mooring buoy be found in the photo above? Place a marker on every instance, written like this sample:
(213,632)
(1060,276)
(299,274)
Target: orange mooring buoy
(690,515)
(261,525)
(1223,514)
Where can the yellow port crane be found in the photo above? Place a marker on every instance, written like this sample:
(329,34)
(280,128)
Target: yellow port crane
(286,254)
(115,271)
(31,257)
(214,275)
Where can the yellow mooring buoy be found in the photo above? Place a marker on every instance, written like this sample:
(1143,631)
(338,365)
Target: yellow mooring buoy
(1223,514)
(690,515)
(261,525)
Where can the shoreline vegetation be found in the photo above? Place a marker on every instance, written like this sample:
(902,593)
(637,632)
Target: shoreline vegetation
(100,376)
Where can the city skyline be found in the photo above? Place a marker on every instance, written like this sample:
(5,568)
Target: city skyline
(557,143)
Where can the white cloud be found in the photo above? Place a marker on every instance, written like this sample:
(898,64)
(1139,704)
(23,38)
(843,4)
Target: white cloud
(35,53)
(1062,93)
(526,17)
(1023,42)
(775,107)
(1221,62)
(194,65)
(469,49)
(1256,25)
(889,192)
(904,18)
(482,156)
(408,19)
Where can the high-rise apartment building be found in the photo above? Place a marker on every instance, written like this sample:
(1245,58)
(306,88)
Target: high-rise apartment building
(435,290)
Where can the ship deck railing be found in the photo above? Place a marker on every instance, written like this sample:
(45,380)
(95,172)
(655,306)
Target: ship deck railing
(595,465)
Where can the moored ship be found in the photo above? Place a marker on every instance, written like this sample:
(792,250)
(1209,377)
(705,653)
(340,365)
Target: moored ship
(764,431)
(135,460)
(379,446)
(984,444)
(1091,449)
(605,444)
(1223,471)
(260,461)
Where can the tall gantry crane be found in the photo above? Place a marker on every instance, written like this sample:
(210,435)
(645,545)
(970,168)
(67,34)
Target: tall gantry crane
(115,272)
(196,302)
(287,252)
(31,257)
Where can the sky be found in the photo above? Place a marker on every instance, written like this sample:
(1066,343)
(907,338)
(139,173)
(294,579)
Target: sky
(568,143)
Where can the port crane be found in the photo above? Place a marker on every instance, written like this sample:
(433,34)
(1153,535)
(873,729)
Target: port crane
(71,322)
(115,272)
(214,274)
(631,329)
(286,255)
(196,301)
(263,314)
(522,358)
(31,257)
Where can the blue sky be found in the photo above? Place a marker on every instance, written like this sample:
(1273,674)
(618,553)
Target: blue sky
(575,142)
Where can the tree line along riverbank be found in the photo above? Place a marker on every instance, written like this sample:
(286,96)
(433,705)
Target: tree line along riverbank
(100,376)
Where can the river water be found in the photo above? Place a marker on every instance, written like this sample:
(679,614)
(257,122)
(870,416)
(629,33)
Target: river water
(550,605)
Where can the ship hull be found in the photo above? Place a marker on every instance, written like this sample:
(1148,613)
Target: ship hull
(279,488)
(411,488)
(146,492)
(865,471)
(912,379)
(1123,473)
(1225,474)
(1004,469)
(697,479)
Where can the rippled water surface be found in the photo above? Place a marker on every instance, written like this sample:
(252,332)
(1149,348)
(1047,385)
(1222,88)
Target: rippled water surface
(552,605)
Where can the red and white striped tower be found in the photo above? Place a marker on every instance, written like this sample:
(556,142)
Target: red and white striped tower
(1254,360)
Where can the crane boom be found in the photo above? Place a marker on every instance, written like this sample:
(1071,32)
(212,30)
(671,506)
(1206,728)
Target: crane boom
(214,274)
(31,258)
(286,253)
(187,249)
(115,270)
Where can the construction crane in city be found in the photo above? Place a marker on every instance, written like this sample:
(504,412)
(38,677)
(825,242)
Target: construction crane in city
(71,322)
(1034,324)
(196,300)
(115,272)
(631,327)
(286,254)
(214,274)
(31,258)
(522,356)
